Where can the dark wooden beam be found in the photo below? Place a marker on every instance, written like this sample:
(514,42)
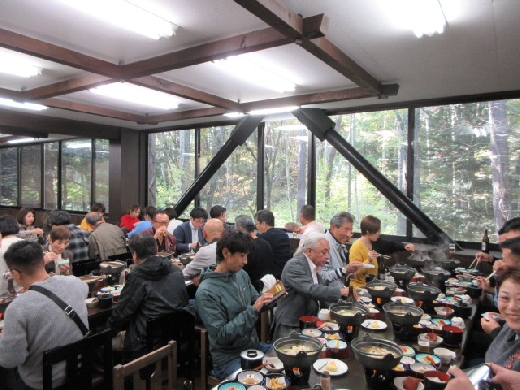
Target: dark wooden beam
(315,26)
(18,131)
(177,116)
(61,55)
(9,94)
(90,109)
(240,44)
(276,15)
(68,86)
(326,51)
(313,98)
(185,92)
(42,123)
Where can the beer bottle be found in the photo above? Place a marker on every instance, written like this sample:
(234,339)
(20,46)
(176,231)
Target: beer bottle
(485,242)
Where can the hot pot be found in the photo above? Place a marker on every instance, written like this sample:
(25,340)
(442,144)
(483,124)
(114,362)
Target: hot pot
(362,345)
(381,289)
(402,313)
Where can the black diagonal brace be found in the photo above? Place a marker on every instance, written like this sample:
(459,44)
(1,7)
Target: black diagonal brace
(238,137)
(323,128)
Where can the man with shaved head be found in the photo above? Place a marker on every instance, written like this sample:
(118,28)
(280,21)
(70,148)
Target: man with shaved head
(207,255)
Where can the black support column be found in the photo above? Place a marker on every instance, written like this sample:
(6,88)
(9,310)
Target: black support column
(238,137)
(323,128)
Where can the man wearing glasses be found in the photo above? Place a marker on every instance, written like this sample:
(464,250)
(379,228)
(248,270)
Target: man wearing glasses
(166,241)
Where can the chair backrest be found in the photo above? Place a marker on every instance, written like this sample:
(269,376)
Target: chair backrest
(178,325)
(88,363)
(159,379)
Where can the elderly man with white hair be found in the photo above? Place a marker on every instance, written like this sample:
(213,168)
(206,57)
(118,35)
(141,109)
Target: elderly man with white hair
(301,277)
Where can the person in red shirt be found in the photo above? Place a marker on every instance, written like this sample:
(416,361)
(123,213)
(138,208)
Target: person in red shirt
(128,221)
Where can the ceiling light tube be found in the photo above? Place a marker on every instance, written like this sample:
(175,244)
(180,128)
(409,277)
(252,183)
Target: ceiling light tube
(137,95)
(24,105)
(273,110)
(127,15)
(14,65)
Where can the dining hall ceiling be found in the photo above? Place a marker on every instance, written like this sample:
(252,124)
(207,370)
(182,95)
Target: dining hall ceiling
(339,54)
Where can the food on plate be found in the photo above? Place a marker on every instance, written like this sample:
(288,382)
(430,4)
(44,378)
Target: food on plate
(410,383)
(333,336)
(399,367)
(378,287)
(295,349)
(276,383)
(249,380)
(429,359)
(374,325)
(337,344)
(377,351)
(331,366)
(432,336)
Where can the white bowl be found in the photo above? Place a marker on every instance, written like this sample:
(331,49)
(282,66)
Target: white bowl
(273,364)
(444,354)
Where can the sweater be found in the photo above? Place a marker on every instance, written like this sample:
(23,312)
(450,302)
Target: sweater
(505,349)
(34,324)
(359,253)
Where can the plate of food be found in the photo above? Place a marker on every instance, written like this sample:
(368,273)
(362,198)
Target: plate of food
(328,326)
(407,383)
(402,300)
(334,367)
(312,332)
(374,325)
(407,360)
(333,336)
(407,350)
(273,364)
(426,358)
(421,367)
(441,321)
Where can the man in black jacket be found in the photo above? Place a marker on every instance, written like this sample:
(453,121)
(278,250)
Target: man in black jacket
(154,287)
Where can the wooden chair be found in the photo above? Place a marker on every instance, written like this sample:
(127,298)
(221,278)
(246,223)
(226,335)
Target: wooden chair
(80,360)
(206,380)
(159,380)
(178,325)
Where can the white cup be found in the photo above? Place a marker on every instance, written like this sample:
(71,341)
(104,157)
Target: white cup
(324,314)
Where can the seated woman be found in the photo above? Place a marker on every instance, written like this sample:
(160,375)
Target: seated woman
(25,218)
(503,355)
(361,251)
(130,220)
(56,251)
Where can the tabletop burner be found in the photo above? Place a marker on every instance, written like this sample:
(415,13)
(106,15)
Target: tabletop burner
(379,379)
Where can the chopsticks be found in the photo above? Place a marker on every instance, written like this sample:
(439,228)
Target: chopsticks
(474,264)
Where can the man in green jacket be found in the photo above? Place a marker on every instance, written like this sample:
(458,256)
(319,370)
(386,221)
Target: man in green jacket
(229,305)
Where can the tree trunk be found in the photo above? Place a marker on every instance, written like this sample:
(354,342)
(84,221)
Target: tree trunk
(302,173)
(500,162)
(152,170)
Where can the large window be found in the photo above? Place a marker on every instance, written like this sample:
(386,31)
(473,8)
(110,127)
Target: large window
(234,184)
(171,167)
(9,176)
(468,166)
(76,180)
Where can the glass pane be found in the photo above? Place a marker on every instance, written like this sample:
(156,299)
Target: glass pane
(9,176)
(467,173)
(171,167)
(31,176)
(101,173)
(380,137)
(285,169)
(76,175)
(50,179)
(234,184)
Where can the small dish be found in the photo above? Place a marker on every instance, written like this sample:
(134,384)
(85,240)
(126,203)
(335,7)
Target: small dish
(421,367)
(312,333)
(399,383)
(407,350)
(426,358)
(407,360)
(250,377)
(334,367)
(441,321)
(273,364)
(228,385)
(374,325)
(91,302)
(328,326)
(402,300)
(276,381)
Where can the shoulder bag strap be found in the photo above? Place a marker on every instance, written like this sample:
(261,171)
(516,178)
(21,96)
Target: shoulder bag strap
(66,308)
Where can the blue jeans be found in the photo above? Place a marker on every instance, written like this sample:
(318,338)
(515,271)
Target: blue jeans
(225,370)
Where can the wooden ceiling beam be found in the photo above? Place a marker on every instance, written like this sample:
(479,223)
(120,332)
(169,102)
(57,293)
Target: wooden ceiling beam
(61,55)
(10,94)
(177,116)
(170,87)
(42,123)
(240,44)
(90,109)
(68,86)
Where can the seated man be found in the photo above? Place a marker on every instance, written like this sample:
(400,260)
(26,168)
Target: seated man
(106,239)
(219,212)
(96,208)
(33,322)
(189,234)
(308,220)
(340,232)
(301,277)
(229,305)
(207,255)
(277,238)
(154,287)
(159,230)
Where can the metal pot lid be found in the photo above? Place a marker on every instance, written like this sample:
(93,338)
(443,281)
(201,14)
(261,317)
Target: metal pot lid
(251,354)
(355,307)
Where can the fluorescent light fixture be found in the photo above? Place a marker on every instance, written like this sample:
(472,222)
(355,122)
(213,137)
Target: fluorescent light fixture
(423,17)
(138,95)
(21,140)
(234,114)
(11,64)
(126,14)
(247,70)
(25,106)
(291,127)
(274,110)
